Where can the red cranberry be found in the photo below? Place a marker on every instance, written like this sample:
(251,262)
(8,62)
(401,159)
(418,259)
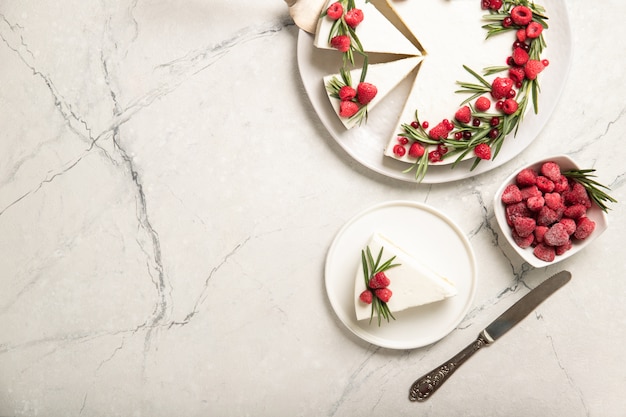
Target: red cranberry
(511,94)
(458,135)
(493,133)
(467,134)
(414,124)
(507,22)
(425,124)
(476,122)
(402,140)
(495,121)
(399,150)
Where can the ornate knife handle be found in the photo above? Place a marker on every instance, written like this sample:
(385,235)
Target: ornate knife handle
(425,386)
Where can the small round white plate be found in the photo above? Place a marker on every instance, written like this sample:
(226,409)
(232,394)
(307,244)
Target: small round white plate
(366,143)
(423,231)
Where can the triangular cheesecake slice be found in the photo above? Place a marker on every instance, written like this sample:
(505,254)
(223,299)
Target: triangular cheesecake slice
(385,76)
(413,283)
(375,32)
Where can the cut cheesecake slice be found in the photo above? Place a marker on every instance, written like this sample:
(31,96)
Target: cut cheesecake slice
(412,283)
(385,76)
(375,32)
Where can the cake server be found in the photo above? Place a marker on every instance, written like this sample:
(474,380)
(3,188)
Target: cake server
(425,386)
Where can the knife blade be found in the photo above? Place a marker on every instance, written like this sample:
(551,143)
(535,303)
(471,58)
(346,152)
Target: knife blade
(427,384)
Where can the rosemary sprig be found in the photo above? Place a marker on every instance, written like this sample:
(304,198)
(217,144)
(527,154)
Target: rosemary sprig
(370,268)
(594,188)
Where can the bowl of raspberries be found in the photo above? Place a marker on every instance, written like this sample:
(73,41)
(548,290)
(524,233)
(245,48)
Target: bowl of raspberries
(547,212)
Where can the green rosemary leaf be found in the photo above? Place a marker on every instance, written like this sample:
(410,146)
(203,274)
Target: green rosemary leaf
(594,188)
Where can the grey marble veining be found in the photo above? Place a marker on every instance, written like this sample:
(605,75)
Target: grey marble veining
(167,199)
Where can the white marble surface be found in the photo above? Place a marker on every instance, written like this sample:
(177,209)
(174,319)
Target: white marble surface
(167,199)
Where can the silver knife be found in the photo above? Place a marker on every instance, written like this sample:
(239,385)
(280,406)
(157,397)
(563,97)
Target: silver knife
(425,386)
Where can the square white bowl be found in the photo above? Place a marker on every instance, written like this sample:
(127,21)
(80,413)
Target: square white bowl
(594,213)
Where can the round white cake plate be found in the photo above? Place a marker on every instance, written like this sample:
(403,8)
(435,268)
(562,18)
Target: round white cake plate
(427,234)
(366,143)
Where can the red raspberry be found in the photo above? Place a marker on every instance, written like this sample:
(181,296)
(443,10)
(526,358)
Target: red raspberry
(500,87)
(440,131)
(584,227)
(552,170)
(384,294)
(569,224)
(521,15)
(482,104)
(511,194)
(516,210)
(577,195)
(340,42)
(335,11)
(463,115)
(540,232)
(544,184)
(530,191)
(533,30)
(379,280)
(517,74)
(348,108)
(533,68)
(521,35)
(526,177)
(535,203)
(524,226)
(509,106)
(556,235)
(365,92)
(553,200)
(522,242)
(416,150)
(354,17)
(576,211)
(347,93)
(366,296)
(520,56)
(544,252)
(483,151)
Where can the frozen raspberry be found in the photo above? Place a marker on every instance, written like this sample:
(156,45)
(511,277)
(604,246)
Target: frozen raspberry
(535,203)
(511,194)
(353,17)
(384,294)
(551,170)
(533,30)
(482,103)
(524,226)
(440,131)
(365,92)
(522,242)
(517,74)
(561,184)
(348,108)
(520,56)
(483,151)
(366,296)
(335,11)
(544,252)
(379,280)
(340,42)
(575,211)
(509,106)
(544,184)
(530,191)
(540,232)
(556,235)
(500,87)
(463,115)
(521,15)
(560,250)
(521,35)
(416,150)
(547,216)
(347,93)
(533,68)
(577,195)
(526,176)
(570,225)
(553,200)
(584,227)
(516,210)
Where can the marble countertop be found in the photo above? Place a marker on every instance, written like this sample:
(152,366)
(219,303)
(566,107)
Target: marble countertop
(168,196)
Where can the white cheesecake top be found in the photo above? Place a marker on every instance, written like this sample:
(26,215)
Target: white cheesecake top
(413,283)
